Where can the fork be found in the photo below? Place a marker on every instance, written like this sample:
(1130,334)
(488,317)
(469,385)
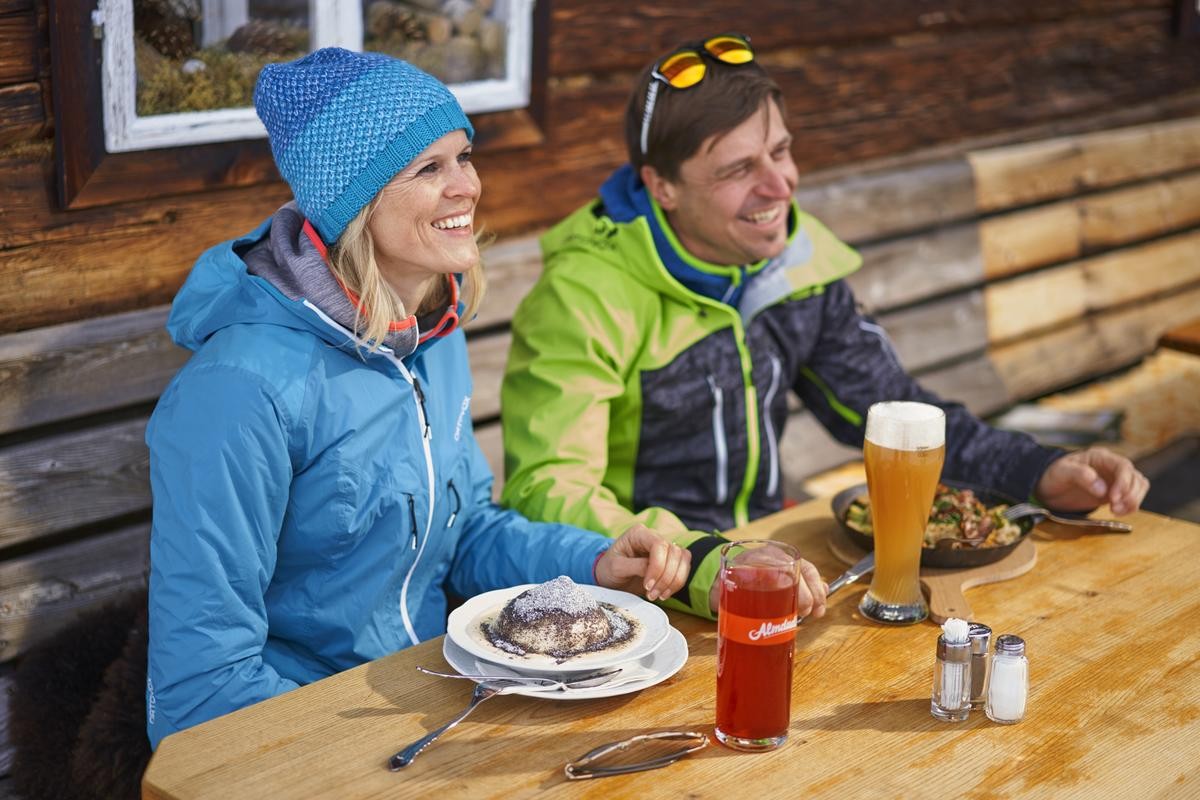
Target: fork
(1029,509)
(537,682)
(483,691)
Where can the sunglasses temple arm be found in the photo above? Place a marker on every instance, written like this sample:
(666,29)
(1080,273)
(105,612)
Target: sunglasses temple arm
(648,111)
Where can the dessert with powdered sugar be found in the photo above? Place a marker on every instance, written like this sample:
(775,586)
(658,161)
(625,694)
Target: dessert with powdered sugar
(559,619)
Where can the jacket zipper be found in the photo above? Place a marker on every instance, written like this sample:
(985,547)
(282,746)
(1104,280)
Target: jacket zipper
(457,503)
(718,427)
(426,437)
(772,446)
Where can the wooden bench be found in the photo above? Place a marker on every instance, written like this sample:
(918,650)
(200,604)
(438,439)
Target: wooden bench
(1002,274)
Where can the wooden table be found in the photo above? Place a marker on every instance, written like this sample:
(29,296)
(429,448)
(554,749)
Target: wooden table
(1185,338)
(1114,707)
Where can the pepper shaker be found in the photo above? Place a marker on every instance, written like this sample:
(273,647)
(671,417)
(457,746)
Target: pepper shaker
(980,636)
(1008,688)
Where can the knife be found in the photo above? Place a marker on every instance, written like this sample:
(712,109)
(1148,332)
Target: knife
(865,565)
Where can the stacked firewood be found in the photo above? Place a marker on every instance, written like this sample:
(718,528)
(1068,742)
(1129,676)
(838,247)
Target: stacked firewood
(456,40)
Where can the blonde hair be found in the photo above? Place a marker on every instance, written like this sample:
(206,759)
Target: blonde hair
(352,261)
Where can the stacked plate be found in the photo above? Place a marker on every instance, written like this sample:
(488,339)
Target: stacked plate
(655,653)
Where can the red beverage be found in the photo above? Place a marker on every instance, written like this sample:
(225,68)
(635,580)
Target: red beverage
(755,646)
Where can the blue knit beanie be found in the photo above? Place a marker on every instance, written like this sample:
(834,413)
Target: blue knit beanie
(342,124)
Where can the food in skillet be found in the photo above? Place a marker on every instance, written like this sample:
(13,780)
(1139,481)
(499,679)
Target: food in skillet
(958,520)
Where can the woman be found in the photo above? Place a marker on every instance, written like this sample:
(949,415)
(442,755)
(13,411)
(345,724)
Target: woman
(317,485)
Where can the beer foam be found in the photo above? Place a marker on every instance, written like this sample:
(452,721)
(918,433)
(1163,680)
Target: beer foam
(906,426)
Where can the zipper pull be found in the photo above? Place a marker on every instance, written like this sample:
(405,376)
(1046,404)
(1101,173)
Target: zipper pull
(412,518)
(428,434)
(457,504)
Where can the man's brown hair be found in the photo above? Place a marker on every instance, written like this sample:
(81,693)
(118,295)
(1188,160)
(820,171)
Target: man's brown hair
(684,118)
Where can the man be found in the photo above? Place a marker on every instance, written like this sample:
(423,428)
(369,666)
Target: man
(650,364)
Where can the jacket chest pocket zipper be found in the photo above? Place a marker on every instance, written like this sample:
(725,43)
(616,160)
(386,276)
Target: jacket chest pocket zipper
(772,444)
(718,432)
(457,503)
(412,519)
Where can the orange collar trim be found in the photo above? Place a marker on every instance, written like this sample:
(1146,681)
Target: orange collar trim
(449,320)
(315,238)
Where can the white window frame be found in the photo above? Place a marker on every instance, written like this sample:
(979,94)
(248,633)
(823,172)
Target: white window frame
(332,23)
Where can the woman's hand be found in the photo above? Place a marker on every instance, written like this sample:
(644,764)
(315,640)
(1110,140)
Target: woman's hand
(641,561)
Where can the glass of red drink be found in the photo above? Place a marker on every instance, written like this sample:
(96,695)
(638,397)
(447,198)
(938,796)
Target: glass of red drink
(756,633)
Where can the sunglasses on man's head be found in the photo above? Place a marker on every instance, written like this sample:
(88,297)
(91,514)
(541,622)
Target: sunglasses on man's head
(684,68)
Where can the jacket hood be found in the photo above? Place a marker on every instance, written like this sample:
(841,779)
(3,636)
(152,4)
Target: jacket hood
(278,275)
(626,230)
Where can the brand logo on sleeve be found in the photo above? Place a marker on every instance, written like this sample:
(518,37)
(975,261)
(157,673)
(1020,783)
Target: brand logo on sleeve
(755,630)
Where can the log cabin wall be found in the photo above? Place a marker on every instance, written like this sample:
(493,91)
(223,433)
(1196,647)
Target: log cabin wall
(905,77)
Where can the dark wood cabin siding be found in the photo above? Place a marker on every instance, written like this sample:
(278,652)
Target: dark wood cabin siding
(905,76)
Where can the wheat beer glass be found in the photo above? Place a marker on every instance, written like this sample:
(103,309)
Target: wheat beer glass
(904,449)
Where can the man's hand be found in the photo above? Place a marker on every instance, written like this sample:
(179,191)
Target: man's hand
(642,561)
(1085,479)
(810,592)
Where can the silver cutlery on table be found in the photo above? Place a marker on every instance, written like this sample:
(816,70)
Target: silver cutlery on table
(865,565)
(1029,510)
(485,691)
(535,681)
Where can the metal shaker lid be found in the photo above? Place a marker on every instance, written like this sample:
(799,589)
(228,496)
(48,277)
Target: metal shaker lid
(980,636)
(1010,645)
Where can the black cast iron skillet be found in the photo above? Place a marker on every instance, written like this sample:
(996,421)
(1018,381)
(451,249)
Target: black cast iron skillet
(940,557)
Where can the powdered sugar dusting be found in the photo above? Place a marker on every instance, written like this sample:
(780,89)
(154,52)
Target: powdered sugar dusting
(558,619)
(560,594)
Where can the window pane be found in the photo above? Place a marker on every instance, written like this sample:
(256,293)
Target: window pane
(197,55)
(456,40)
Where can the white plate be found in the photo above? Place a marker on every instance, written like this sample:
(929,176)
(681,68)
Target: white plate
(463,628)
(665,661)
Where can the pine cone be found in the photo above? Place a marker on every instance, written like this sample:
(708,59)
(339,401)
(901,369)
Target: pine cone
(263,38)
(167,25)
(393,23)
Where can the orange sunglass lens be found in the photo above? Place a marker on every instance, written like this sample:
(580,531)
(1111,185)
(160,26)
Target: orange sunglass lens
(729,49)
(682,70)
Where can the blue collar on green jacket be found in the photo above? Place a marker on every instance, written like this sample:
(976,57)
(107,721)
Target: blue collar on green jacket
(625,199)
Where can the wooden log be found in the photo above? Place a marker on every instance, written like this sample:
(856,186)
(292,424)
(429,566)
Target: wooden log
(43,591)
(79,368)
(512,267)
(874,204)
(974,383)
(938,331)
(488,355)
(6,745)
(22,115)
(1027,173)
(18,47)
(1044,299)
(12,7)
(1092,346)
(910,269)
(73,479)
(582,33)
(906,98)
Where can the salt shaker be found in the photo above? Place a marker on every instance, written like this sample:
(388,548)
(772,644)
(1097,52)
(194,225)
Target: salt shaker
(1008,687)
(951,700)
(980,636)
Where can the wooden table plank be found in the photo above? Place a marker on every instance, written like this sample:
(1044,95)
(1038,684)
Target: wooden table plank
(1114,707)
